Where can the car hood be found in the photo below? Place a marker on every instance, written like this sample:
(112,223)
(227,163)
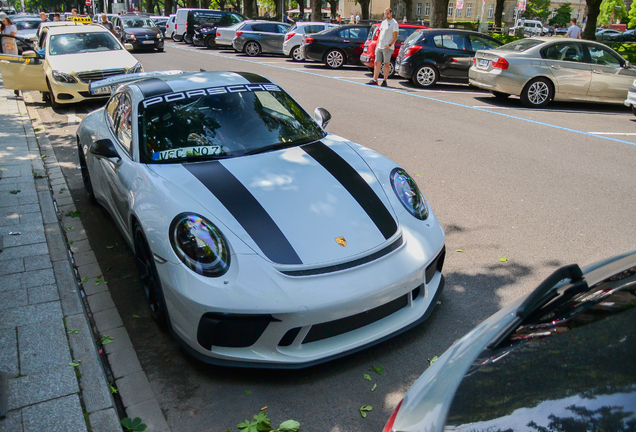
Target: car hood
(142,31)
(100,60)
(291,207)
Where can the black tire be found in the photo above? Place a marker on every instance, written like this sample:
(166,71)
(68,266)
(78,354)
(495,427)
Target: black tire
(334,59)
(176,37)
(252,49)
(425,76)
(187,38)
(86,177)
(296,54)
(150,279)
(537,93)
(391,69)
(500,95)
(54,104)
(210,42)
(160,49)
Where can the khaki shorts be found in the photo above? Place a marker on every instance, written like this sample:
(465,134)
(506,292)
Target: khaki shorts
(383,55)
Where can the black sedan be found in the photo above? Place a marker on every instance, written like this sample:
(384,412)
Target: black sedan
(560,359)
(626,36)
(336,46)
(139,31)
(432,55)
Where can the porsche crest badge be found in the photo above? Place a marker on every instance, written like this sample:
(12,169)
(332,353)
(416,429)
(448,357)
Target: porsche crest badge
(341,241)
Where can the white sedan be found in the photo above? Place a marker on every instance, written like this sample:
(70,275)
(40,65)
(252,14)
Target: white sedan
(71,57)
(261,240)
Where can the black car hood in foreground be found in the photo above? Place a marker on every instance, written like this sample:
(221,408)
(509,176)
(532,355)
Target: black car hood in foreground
(582,377)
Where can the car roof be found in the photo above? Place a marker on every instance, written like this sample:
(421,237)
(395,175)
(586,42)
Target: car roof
(86,28)
(187,81)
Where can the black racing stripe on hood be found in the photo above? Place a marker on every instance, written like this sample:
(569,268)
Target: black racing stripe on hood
(246,210)
(353,182)
(153,87)
(254,78)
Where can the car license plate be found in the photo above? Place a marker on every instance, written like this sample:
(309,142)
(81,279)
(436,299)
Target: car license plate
(364,58)
(147,42)
(483,63)
(102,91)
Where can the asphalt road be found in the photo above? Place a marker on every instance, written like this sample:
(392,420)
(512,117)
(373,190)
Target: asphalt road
(543,188)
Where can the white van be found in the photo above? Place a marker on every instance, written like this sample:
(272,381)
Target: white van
(532,27)
(188,18)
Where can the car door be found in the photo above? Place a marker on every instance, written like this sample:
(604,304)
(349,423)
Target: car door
(355,45)
(115,175)
(270,38)
(571,73)
(610,80)
(452,55)
(22,73)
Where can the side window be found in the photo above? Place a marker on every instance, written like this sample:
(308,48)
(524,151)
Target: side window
(602,56)
(42,41)
(479,43)
(344,33)
(123,128)
(451,41)
(564,51)
(358,33)
(282,29)
(310,29)
(405,33)
(111,110)
(256,27)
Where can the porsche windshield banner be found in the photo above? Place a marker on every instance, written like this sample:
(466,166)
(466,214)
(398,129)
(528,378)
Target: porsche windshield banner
(177,96)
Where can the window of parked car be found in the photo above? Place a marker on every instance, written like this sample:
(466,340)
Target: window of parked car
(119,113)
(521,45)
(564,51)
(600,55)
(404,33)
(479,42)
(358,32)
(311,29)
(451,41)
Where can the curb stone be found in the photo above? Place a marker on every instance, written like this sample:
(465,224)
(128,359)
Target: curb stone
(102,416)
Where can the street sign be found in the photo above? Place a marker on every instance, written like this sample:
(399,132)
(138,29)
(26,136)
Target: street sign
(88,2)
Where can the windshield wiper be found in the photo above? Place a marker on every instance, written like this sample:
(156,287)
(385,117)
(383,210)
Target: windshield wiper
(277,146)
(542,295)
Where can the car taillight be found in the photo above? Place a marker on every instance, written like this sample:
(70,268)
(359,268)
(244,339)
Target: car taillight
(239,33)
(412,50)
(389,424)
(309,40)
(289,36)
(500,63)
(186,26)
(175,26)
(218,34)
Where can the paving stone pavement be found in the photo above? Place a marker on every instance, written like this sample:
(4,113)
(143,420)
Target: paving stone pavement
(56,378)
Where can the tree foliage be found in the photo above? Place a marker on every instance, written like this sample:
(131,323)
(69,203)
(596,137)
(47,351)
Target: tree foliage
(563,15)
(612,9)
(537,9)
(632,16)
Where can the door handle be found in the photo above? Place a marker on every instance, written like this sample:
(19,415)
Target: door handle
(555,66)
(346,40)
(596,71)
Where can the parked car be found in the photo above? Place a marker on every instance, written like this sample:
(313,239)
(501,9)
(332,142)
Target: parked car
(294,37)
(225,35)
(432,55)
(73,57)
(606,34)
(260,37)
(27,27)
(558,359)
(170,24)
(631,97)
(336,46)
(368,52)
(243,269)
(540,70)
(188,19)
(529,27)
(561,32)
(626,36)
(139,31)
(205,34)
(160,22)
(97,18)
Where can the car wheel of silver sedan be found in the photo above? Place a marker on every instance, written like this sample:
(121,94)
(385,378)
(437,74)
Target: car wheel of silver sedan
(334,59)
(537,93)
(296,54)
(425,76)
(252,49)
(150,279)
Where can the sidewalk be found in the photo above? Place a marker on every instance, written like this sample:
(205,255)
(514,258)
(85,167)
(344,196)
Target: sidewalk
(55,380)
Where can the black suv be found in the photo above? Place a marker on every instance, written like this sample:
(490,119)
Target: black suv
(432,55)
(138,30)
(202,25)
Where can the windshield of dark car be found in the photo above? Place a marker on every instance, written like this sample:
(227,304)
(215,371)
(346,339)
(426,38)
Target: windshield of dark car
(413,38)
(137,22)
(221,122)
(520,45)
(27,25)
(74,43)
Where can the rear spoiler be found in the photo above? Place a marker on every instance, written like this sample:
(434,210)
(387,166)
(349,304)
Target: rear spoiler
(127,78)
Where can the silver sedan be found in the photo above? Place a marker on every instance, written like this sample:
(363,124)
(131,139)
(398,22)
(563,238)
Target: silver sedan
(540,70)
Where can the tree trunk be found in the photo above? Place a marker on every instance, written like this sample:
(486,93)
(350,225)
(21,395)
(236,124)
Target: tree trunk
(167,10)
(364,4)
(593,9)
(248,8)
(439,14)
(499,12)
(334,9)
(408,6)
(316,10)
(150,7)
(193,3)
(301,9)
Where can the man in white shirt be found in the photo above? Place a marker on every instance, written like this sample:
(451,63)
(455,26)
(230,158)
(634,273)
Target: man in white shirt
(574,31)
(389,31)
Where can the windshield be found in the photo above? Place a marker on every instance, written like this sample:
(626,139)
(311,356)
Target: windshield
(27,25)
(520,45)
(137,23)
(75,43)
(222,122)
(412,38)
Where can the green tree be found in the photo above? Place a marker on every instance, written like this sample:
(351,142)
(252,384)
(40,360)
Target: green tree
(537,9)
(439,14)
(612,10)
(562,17)
(632,15)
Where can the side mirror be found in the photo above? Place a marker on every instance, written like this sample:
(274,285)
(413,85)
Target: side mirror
(627,64)
(128,46)
(322,117)
(104,148)
(30,54)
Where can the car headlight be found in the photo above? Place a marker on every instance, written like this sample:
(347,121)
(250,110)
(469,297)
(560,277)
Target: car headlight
(200,245)
(136,68)
(158,35)
(409,194)
(131,36)
(63,77)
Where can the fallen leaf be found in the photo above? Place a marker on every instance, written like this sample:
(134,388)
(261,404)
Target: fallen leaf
(264,408)
(460,250)
(15,192)
(135,316)
(84,279)
(109,247)
(374,387)
(247,392)
(377,369)
(75,364)
(68,228)
(367,377)
(73,331)
(364,409)
(504,259)
(431,361)
(113,389)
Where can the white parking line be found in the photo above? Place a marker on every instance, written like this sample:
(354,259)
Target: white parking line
(614,133)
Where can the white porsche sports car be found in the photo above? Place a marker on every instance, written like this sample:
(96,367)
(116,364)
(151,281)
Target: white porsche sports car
(261,239)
